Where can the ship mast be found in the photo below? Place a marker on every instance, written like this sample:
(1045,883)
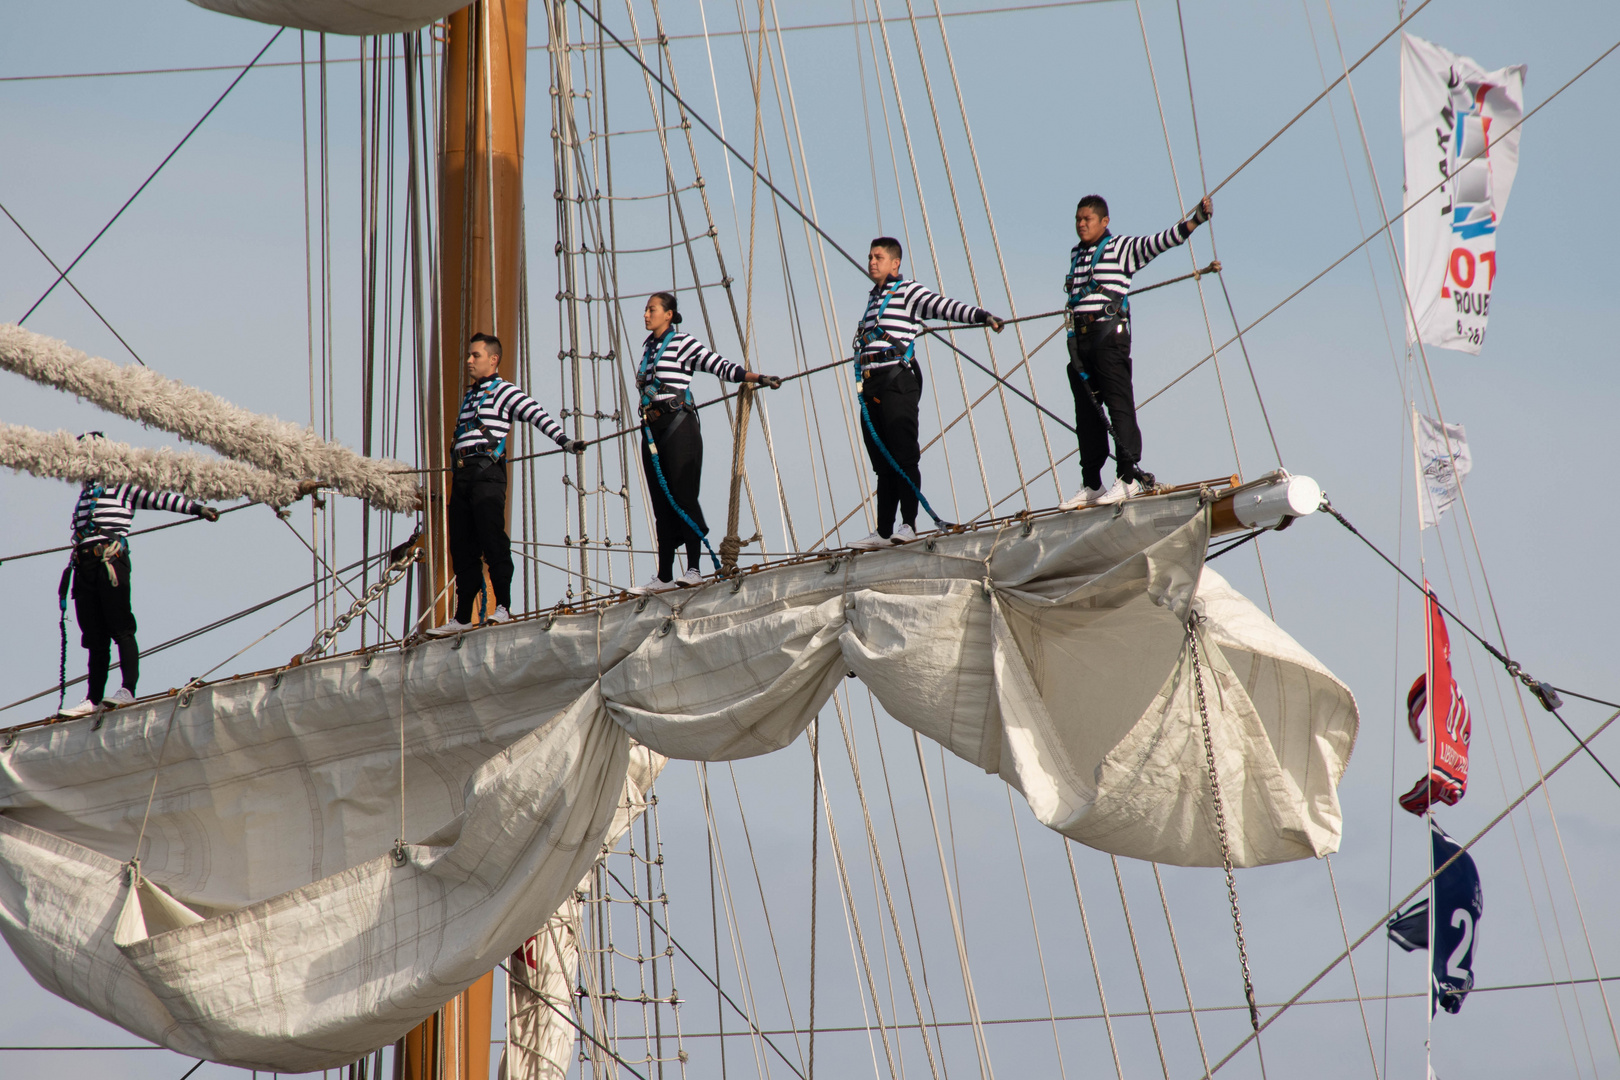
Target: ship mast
(480,249)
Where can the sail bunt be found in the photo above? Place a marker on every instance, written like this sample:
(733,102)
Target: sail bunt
(1052,651)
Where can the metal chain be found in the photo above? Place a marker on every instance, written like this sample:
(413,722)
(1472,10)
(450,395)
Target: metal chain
(1220,823)
(403,558)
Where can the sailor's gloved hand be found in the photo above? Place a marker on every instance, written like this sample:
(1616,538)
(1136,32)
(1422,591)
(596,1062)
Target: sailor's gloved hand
(769,382)
(994,323)
(207,513)
(575,446)
(1203,211)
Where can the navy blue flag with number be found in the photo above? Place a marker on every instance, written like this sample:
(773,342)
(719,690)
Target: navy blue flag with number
(1459,903)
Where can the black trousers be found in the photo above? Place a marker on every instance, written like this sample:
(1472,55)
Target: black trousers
(680,455)
(1104,353)
(105,616)
(477,528)
(892,395)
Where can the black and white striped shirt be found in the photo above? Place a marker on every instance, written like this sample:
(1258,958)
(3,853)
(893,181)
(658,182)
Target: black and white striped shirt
(1121,257)
(489,409)
(903,319)
(671,371)
(106,513)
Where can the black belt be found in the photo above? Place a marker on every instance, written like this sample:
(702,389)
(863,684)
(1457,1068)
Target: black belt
(649,413)
(99,550)
(464,461)
(1083,323)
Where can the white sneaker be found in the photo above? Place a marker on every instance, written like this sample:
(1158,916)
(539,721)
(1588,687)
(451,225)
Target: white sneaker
(870,542)
(655,585)
(691,579)
(1086,496)
(119,699)
(1117,492)
(500,615)
(454,626)
(83,708)
(905,534)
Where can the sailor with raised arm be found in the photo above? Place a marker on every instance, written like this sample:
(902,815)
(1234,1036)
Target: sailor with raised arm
(1098,287)
(99,572)
(889,383)
(477,510)
(672,439)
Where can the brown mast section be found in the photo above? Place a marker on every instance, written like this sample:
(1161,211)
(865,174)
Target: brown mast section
(480,247)
(480,229)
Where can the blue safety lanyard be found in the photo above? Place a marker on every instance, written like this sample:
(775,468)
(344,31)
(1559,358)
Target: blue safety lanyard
(499,449)
(651,387)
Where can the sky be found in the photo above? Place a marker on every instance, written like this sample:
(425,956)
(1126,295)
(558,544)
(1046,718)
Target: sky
(205,277)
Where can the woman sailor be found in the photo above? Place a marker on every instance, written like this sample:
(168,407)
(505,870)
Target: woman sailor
(672,441)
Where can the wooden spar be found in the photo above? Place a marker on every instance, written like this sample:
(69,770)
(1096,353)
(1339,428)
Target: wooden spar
(480,250)
(480,230)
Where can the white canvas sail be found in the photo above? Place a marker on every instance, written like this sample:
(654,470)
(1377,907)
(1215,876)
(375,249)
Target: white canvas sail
(338,16)
(1056,660)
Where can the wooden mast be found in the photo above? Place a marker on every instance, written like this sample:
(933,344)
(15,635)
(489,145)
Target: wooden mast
(480,248)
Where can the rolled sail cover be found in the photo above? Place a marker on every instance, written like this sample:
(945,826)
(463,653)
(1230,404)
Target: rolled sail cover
(272,926)
(338,16)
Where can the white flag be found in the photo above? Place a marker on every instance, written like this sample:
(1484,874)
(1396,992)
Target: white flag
(1454,121)
(1442,470)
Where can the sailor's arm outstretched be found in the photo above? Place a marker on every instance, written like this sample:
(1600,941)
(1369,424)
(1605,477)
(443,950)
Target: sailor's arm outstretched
(1098,287)
(672,437)
(890,384)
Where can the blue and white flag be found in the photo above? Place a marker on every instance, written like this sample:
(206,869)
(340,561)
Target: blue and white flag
(1458,905)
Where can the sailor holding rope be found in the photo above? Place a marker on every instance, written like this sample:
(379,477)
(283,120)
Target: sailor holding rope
(99,574)
(889,383)
(1098,287)
(672,439)
(476,514)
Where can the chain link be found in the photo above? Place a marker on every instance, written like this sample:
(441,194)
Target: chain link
(1220,823)
(405,556)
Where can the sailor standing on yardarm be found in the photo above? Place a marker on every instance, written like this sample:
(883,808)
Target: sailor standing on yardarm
(100,579)
(890,382)
(1098,286)
(476,515)
(672,440)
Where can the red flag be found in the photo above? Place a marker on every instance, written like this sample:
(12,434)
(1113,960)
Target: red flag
(1447,780)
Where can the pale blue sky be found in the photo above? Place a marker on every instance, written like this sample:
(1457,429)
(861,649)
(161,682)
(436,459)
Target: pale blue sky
(205,277)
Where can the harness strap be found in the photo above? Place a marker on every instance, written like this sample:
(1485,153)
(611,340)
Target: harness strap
(875,331)
(1080,290)
(652,387)
(497,446)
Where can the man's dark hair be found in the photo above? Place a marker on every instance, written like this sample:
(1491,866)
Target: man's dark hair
(670,304)
(1096,202)
(491,342)
(887,243)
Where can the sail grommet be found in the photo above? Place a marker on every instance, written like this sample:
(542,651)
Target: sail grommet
(186,695)
(669,624)
(641,605)
(457,646)
(275,680)
(365,659)
(832,567)
(399,853)
(10,740)
(932,544)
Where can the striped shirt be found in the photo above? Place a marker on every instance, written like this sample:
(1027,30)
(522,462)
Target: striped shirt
(1121,257)
(489,409)
(667,376)
(106,513)
(903,319)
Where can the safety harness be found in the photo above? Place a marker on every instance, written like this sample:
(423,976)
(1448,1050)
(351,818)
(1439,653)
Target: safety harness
(1119,304)
(864,337)
(652,387)
(496,447)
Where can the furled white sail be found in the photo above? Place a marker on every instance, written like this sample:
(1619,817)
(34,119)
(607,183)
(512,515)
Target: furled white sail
(275,446)
(338,16)
(1054,655)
